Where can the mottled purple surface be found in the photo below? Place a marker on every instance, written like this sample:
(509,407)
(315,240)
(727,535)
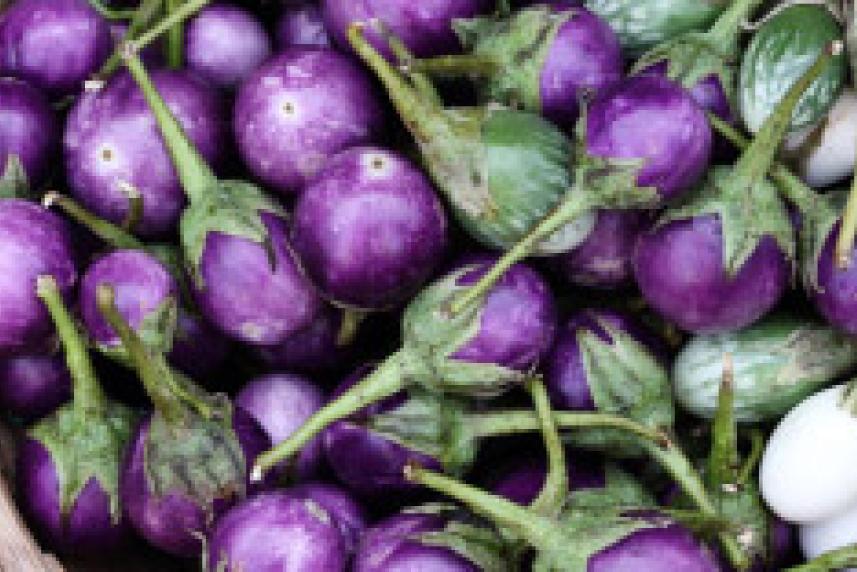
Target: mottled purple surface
(33,386)
(655,120)
(670,548)
(425,27)
(301,25)
(603,260)
(836,294)
(313,349)
(28,128)
(173,523)
(585,57)
(679,269)
(348,515)
(112,138)
(300,108)
(390,546)
(281,403)
(708,92)
(522,479)
(276,532)
(33,242)
(224,43)
(198,349)
(248,300)
(369,229)
(87,530)
(53,44)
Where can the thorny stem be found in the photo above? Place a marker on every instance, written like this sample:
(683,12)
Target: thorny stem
(106,231)
(552,496)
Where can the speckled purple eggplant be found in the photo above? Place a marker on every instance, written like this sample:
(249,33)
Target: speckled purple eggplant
(33,242)
(348,515)
(522,479)
(679,269)
(111,138)
(369,229)
(142,285)
(224,43)
(280,403)
(284,300)
(173,523)
(33,386)
(55,45)
(301,25)
(28,128)
(277,531)
(603,260)
(390,545)
(198,349)
(653,119)
(300,108)
(836,294)
(670,548)
(314,349)
(88,530)
(424,27)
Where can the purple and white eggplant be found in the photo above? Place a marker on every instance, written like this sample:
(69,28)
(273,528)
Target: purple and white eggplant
(29,132)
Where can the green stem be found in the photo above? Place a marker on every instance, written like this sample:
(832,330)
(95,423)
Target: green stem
(173,19)
(723,458)
(174,45)
(387,379)
(420,80)
(757,448)
(143,18)
(87,394)
(845,240)
(135,206)
(455,66)
(106,231)
(350,323)
(727,28)
(195,175)
(834,560)
(109,13)
(552,497)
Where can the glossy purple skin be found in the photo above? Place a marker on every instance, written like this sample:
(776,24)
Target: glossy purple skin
(522,480)
(172,523)
(198,349)
(670,548)
(277,532)
(111,137)
(28,128)
(211,49)
(603,260)
(679,269)
(142,285)
(425,27)
(33,386)
(300,108)
(244,298)
(314,349)
(836,294)
(33,242)
(653,119)
(369,229)
(585,57)
(389,546)
(281,403)
(565,374)
(708,93)
(55,45)
(348,515)
(88,530)
(301,25)
(367,463)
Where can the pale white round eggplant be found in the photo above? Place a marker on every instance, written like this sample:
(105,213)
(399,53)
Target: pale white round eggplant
(838,532)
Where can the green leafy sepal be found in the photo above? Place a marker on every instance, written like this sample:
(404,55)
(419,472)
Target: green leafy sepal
(13,182)
(157,330)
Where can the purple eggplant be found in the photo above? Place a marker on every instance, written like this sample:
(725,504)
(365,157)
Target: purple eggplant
(301,25)
(33,242)
(301,107)
(318,348)
(112,144)
(29,131)
(33,386)
(68,464)
(245,277)
(277,531)
(521,479)
(281,403)
(198,349)
(348,515)
(55,45)
(224,44)
(369,229)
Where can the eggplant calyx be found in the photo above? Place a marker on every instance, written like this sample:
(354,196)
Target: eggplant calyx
(13,181)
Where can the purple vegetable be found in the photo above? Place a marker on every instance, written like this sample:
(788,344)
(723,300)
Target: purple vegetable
(522,479)
(53,44)
(33,242)
(301,25)
(277,531)
(346,513)
(198,349)
(298,109)
(317,348)
(152,54)
(833,287)
(369,229)
(654,550)
(112,141)
(224,44)
(28,130)
(707,92)
(33,386)
(281,403)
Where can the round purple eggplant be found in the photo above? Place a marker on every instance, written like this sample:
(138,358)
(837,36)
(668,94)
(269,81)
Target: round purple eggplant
(301,25)
(281,403)
(300,108)
(33,242)
(277,531)
(833,290)
(55,45)
(224,43)
(654,550)
(33,386)
(198,349)
(522,479)
(369,230)
(314,349)
(112,143)
(708,93)
(348,515)
(29,129)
